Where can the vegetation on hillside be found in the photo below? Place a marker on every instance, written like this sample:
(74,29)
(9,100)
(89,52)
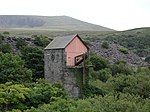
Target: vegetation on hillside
(29,53)
(111,87)
(12,68)
(137,40)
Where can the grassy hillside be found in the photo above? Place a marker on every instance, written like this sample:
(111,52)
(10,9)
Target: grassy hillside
(28,32)
(54,23)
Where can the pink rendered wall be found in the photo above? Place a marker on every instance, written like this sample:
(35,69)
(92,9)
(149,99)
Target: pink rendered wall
(75,48)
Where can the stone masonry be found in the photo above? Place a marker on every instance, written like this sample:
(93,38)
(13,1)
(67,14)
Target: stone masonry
(57,71)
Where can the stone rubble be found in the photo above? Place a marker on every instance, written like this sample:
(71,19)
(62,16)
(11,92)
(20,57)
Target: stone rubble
(113,54)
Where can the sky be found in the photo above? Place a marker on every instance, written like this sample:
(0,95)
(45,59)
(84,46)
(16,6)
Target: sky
(115,14)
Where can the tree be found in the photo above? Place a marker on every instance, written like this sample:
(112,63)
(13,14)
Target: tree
(98,62)
(121,67)
(5,48)
(33,57)
(41,40)
(20,43)
(12,69)
(44,92)
(60,105)
(12,96)
(147,59)
(19,97)
(102,75)
(133,84)
(105,45)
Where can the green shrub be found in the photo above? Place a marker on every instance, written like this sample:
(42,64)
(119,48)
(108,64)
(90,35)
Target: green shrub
(41,40)
(98,62)
(12,69)
(90,91)
(60,105)
(131,84)
(33,57)
(123,50)
(105,45)
(1,39)
(102,75)
(107,88)
(44,92)
(5,48)
(120,82)
(20,43)
(19,97)
(121,67)
(139,86)
(12,96)
(147,59)
(6,33)
(143,71)
(112,103)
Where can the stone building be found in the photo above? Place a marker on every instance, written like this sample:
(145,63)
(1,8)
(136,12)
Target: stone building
(61,57)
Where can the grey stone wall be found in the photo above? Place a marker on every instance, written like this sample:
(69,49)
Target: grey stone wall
(56,71)
(70,83)
(53,66)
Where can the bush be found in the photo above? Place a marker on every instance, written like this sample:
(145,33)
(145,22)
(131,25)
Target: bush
(1,39)
(60,105)
(120,82)
(5,48)
(90,91)
(42,41)
(123,50)
(44,92)
(111,103)
(20,43)
(105,45)
(147,59)
(19,97)
(131,84)
(102,75)
(12,96)
(98,62)
(121,67)
(12,69)
(140,86)
(33,57)
(6,33)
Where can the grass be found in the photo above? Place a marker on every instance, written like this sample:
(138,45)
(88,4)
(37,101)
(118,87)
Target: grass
(28,32)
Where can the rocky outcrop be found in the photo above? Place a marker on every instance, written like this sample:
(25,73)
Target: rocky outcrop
(12,40)
(113,53)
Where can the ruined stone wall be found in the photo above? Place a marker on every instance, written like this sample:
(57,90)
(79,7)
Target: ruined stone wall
(56,71)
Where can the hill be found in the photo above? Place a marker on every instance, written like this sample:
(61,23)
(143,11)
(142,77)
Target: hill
(136,40)
(55,23)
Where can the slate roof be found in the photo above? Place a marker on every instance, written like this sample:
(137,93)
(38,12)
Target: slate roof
(62,42)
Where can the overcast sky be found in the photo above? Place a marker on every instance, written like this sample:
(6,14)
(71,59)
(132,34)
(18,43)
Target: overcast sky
(115,14)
